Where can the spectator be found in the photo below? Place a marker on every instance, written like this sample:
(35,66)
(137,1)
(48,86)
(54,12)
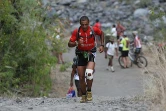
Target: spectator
(120,30)
(113,31)
(125,50)
(98,25)
(137,44)
(60,49)
(111,48)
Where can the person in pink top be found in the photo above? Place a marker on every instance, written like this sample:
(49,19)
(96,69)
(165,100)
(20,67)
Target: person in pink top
(137,43)
(120,30)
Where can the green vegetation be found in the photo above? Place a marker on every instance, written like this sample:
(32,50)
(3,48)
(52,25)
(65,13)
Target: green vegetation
(157,22)
(63,67)
(25,59)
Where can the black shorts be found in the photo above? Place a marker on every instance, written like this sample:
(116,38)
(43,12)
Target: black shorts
(125,53)
(137,50)
(82,61)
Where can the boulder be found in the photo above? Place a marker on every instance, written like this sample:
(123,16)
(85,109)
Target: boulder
(139,13)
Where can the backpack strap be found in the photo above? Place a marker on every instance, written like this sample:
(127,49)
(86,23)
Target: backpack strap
(78,35)
(93,33)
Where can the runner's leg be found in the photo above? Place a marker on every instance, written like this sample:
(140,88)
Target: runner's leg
(61,57)
(81,73)
(89,82)
(111,60)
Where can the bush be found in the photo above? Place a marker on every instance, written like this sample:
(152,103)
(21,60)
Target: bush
(25,58)
(63,67)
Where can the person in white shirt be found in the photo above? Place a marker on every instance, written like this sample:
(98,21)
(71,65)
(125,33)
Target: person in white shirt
(113,31)
(111,48)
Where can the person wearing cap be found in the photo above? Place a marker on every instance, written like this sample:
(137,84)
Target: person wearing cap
(137,44)
(111,48)
(125,49)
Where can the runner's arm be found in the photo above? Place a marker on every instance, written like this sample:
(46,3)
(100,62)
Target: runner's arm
(102,38)
(72,44)
(73,39)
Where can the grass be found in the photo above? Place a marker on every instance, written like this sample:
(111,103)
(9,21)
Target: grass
(64,66)
(155,76)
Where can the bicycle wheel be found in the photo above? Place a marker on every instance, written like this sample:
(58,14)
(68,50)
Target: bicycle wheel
(122,64)
(142,62)
(121,61)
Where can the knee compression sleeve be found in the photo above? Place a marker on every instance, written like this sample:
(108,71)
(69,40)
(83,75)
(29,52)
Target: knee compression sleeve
(89,74)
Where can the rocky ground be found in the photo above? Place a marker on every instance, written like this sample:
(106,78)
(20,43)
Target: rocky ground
(72,104)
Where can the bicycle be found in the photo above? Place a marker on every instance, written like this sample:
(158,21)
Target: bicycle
(140,62)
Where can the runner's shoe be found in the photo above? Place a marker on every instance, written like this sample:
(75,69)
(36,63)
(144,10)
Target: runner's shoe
(83,99)
(89,96)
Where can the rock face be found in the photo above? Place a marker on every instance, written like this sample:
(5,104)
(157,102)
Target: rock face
(132,14)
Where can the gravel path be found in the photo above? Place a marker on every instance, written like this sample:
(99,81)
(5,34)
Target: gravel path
(62,104)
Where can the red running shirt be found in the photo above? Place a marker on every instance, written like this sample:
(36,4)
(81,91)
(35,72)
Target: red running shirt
(98,25)
(88,41)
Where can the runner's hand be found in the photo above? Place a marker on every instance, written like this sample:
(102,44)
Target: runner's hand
(71,84)
(105,56)
(101,49)
(80,41)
